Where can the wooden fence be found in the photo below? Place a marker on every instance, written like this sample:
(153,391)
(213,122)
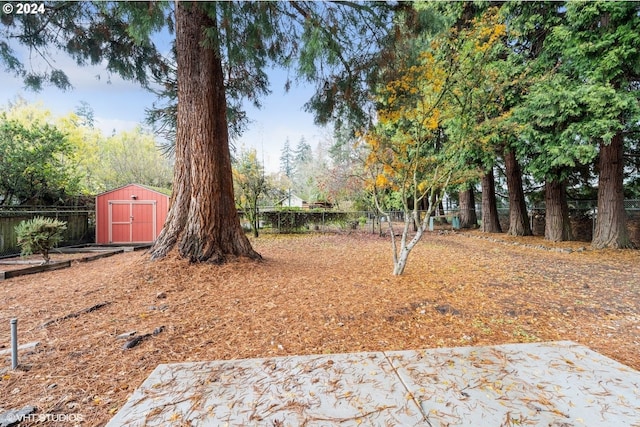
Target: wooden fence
(80,224)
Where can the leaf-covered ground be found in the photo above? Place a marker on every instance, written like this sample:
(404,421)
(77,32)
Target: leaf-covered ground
(311,294)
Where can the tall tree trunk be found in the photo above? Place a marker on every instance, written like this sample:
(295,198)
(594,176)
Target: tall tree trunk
(611,222)
(518,218)
(468,216)
(490,220)
(557,227)
(203,222)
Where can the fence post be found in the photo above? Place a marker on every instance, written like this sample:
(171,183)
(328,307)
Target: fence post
(14,343)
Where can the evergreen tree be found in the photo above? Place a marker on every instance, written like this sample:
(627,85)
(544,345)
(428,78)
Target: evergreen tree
(222,49)
(286,159)
(302,153)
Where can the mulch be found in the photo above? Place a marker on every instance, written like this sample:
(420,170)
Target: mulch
(312,294)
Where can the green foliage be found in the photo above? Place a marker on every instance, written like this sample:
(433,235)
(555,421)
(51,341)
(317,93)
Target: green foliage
(36,163)
(303,152)
(40,235)
(112,33)
(325,42)
(290,220)
(603,39)
(286,159)
(557,136)
(131,156)
(581,91)
(250,184)
(46,159)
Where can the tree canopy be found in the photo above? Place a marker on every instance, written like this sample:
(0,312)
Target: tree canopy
(35,164)
(466,83)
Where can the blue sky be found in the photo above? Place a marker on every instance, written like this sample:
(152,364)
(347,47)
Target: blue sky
(120,105)
(282,116)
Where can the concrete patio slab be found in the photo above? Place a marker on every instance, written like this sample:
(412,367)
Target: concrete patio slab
(542,384)
(551,384)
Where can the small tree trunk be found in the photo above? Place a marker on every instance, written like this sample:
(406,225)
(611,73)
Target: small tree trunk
(518,218)
(438,211)
(256,226)
(490,220)
(203,221)
(557,227)
(611,222)
(255,221)
(441,213)
(468,216)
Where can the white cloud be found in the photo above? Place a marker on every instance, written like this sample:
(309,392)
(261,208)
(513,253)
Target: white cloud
(121,105)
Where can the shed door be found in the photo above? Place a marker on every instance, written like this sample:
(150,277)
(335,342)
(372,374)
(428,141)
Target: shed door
(132,221)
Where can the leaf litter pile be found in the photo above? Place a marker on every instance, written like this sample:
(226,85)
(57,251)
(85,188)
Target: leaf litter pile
(312,294)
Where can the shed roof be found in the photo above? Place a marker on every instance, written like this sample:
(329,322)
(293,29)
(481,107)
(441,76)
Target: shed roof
(159,190)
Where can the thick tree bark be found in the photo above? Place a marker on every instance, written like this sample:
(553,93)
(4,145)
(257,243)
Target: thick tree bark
(490,220)
(203,222)
(557,227)
(611,222)
(468,216)
(518,218)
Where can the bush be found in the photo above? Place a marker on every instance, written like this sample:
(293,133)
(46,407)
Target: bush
(294,219)
(40,235)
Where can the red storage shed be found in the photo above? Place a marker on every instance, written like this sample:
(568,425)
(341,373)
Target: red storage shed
(130,214)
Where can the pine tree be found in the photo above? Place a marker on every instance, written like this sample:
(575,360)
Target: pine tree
(286,159)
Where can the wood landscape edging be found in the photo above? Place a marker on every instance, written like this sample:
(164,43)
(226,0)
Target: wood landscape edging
(56,265)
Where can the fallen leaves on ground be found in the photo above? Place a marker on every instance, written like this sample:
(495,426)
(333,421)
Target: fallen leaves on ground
(312,294)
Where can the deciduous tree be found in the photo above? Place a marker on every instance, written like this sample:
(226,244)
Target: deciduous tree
(251,184)
(35,163)
(406,148)
(131,157)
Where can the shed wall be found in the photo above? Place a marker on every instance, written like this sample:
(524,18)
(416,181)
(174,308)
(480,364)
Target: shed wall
(142,223)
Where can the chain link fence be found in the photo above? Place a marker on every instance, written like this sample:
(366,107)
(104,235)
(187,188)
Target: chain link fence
(582,215)
(308,221)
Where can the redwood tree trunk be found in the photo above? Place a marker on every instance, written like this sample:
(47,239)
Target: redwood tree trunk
(490,220)
(611,222)
(518,218)
(557,227)
(202,222)
(468,216)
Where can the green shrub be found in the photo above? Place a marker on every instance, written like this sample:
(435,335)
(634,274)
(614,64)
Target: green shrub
(290,220)
(40,235)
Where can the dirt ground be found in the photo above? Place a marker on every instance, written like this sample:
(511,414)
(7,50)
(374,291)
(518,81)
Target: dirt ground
(311,294)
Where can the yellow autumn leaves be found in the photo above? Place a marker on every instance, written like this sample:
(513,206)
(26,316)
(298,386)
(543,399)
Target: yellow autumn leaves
(425,95)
